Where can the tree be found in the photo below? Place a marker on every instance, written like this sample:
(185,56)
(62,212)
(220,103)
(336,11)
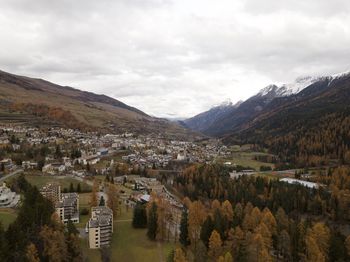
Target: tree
(284,244)
(282,219)
(113,199)
(152,222)
(313,252)
(206,230)
(55,248)
(71,229)
(102,201)
(140,216)
(73,248)
(58,152)
(228,257)
(32,253)
(347,245)
(263,230)
(196,218)
(71,188)
(184,237)
(93,195)
(269,220)
(179,256)
(227,211)
(78,188)
(321,234)
(215,244)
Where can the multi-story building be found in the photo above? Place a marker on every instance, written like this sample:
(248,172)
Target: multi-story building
(52,191)
(68,207)
(7,197)
(66,204)
(100,227)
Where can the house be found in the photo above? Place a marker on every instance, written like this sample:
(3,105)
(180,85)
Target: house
(54,168)
(29,165)
(67,208)
(91,160)
(100,227)
(7,197)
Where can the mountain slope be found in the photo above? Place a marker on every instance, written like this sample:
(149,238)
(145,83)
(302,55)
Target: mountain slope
(220,121)
(47,103)
(311,127)
(202,121)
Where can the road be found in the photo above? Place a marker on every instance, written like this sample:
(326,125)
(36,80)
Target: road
(2,179)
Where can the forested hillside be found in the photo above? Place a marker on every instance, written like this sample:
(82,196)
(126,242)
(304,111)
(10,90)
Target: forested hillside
(257,219)
(311,128)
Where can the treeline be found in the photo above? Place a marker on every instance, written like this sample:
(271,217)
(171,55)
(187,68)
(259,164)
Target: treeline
(303,141)
(257,219)
(37,234)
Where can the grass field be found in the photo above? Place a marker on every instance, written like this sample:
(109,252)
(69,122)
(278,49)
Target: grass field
(65,182)
(129,244)
(246,159)
(7,216)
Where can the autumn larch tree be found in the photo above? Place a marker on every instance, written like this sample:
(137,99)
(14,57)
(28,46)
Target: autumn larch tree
(215,245)
(196,218)
(113,199)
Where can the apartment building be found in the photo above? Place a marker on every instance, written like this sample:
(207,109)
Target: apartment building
(67,207)
(51,191)
(100,227)
(66,204)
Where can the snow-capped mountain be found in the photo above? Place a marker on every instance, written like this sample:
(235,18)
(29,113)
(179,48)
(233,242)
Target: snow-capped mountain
(290,89)
(226,118)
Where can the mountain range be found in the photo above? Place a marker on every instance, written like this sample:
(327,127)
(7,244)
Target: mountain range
(228,118)
(306,123)
(39,102)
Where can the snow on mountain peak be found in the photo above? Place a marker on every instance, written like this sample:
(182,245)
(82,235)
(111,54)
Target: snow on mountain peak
(226,103)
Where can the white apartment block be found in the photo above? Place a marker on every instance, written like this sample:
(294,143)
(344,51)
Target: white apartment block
(100,227)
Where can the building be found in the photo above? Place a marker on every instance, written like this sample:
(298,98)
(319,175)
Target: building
(7,197)
(67,208)
(52,191)
(66,204)
(100,227)
(300,182)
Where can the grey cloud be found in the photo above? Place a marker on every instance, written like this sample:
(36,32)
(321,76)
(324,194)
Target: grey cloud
(173,57)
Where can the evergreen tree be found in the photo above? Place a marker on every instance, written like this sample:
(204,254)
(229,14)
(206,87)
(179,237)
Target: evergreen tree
(78,188)
(71,188)
(140,216)
(152,222)
(184,238)
(102,201)
(206,230)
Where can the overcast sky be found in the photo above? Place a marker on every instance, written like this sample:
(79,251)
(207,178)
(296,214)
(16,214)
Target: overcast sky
(174,58)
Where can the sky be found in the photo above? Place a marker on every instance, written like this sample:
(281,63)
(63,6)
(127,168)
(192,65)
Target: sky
(174,58)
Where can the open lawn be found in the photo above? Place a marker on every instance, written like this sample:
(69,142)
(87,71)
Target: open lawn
(7,216)
(65,182)
(246,159)
(131,245)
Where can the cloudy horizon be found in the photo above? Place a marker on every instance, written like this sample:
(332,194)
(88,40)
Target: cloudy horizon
(174,58)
